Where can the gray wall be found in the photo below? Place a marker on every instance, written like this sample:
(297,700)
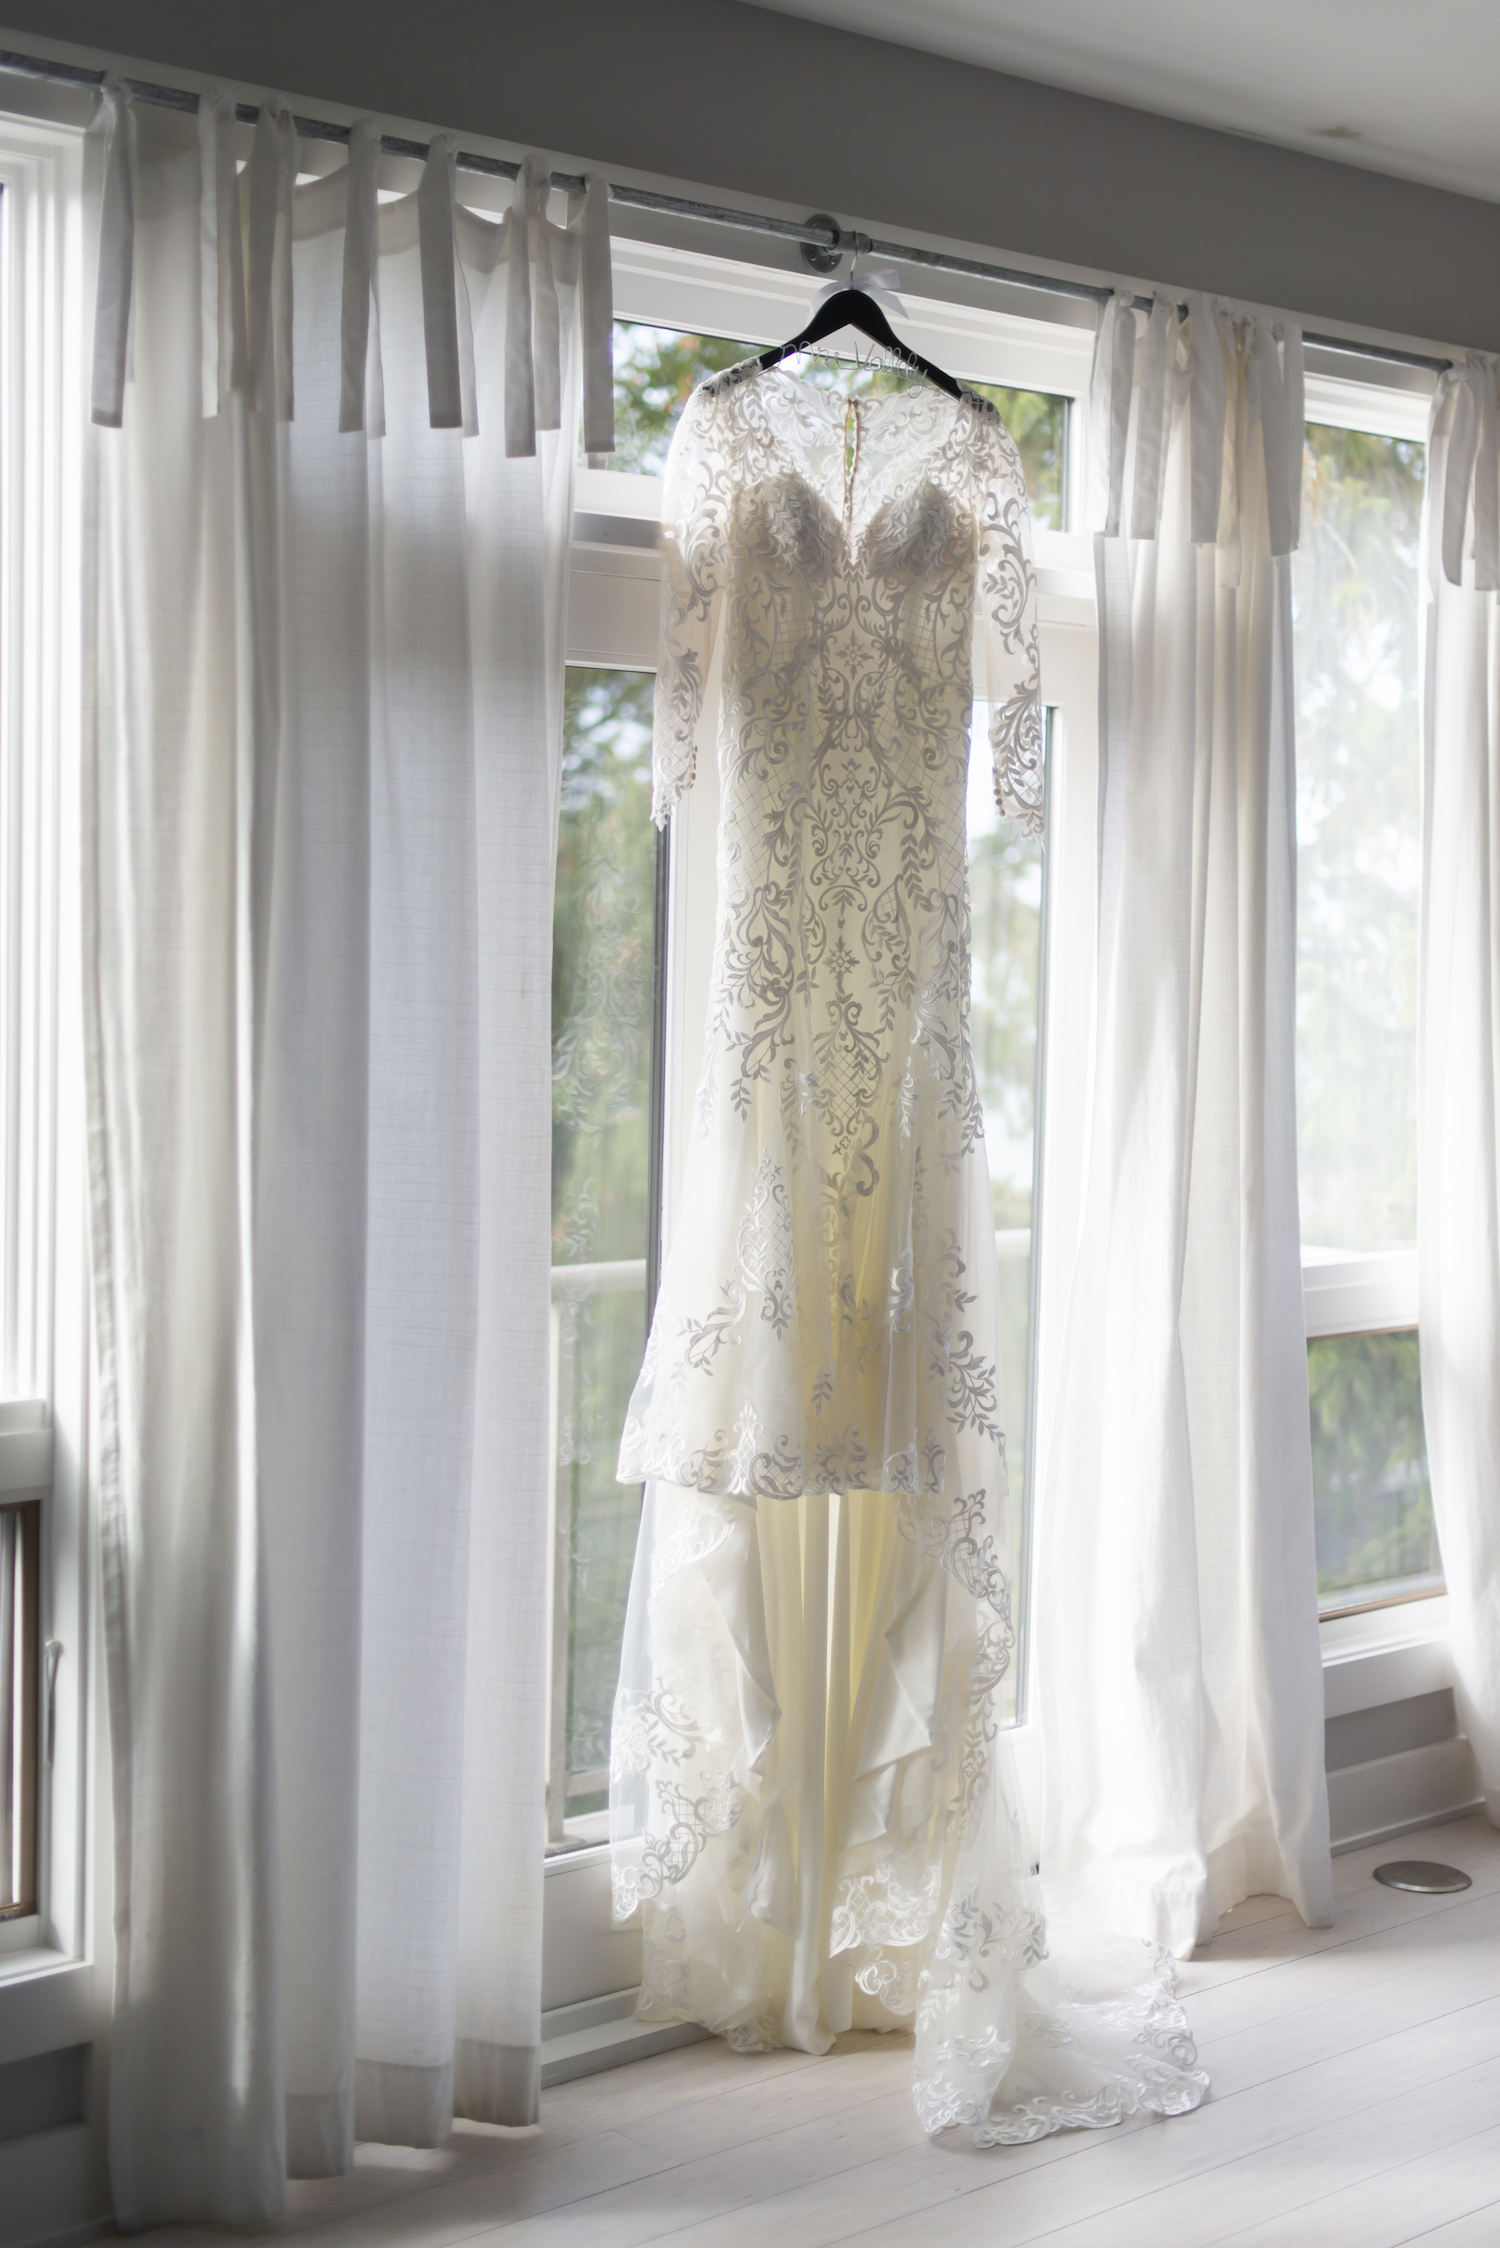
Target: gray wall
(733,97)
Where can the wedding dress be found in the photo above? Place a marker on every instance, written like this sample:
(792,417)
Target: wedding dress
(813,1816)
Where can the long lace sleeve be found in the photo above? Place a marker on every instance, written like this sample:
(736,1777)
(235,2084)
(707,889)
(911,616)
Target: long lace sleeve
(693,544)
(1008,636)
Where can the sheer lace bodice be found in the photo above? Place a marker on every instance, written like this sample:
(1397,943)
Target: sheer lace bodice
(884,520)
(811,1812)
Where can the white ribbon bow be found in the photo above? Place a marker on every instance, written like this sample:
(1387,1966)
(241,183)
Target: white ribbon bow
(880,282)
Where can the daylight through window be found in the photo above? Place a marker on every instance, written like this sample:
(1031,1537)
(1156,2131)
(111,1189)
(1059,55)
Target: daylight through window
(604,1038)
(1358,901)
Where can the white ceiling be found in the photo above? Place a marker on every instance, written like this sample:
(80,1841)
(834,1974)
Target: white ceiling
(1404,86)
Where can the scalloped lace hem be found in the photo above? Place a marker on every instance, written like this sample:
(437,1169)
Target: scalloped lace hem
(1094,2085)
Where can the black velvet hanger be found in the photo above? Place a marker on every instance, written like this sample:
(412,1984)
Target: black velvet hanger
(856,308)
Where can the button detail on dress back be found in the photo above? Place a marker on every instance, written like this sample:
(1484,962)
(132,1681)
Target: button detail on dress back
(851,466)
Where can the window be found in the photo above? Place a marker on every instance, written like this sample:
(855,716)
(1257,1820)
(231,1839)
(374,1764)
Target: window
(1377,1542)
(43,1261)
(20,1678)
(1358,901)
(1007,878)
(632,937)
(605,1176)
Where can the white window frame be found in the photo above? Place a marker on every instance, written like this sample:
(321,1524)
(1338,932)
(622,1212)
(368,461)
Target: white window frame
(1375,1292)
(48,1996)
(1394,1651)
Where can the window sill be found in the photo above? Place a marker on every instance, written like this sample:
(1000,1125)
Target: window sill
(1344,1295)
(46,2001)
(31,1960)
(1385,1655)
(576,1857)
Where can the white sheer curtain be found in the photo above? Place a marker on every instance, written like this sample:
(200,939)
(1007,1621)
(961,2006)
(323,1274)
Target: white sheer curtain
(1458,1097)
(321,782)
(1181,1684)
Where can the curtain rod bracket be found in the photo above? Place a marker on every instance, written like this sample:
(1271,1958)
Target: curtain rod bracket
(824,257)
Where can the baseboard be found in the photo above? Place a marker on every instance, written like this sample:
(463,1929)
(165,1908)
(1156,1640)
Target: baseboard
(1396,1795)
(582,1950)
(601,2033)
(1406,1826)
(101,2228)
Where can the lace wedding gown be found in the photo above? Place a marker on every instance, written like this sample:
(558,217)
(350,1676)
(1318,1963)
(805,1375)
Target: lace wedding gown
(812,1811)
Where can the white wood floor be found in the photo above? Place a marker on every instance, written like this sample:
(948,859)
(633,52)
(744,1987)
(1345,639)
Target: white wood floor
(1355,2104)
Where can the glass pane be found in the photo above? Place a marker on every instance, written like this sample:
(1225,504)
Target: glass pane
(601,1153)
(1372,1497)
(656,370)
(1038,421)
(1006,903)
(1358,838)
(20,1704)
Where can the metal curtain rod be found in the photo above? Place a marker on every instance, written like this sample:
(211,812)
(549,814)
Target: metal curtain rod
(823,241)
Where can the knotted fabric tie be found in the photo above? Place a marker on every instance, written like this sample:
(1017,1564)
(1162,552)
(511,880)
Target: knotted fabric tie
(273,176)
(221,259)
(878,281)
(362,380)
(445,296)
(116,125)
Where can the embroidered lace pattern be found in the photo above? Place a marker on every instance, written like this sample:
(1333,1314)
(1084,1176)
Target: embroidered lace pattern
(825,1259)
